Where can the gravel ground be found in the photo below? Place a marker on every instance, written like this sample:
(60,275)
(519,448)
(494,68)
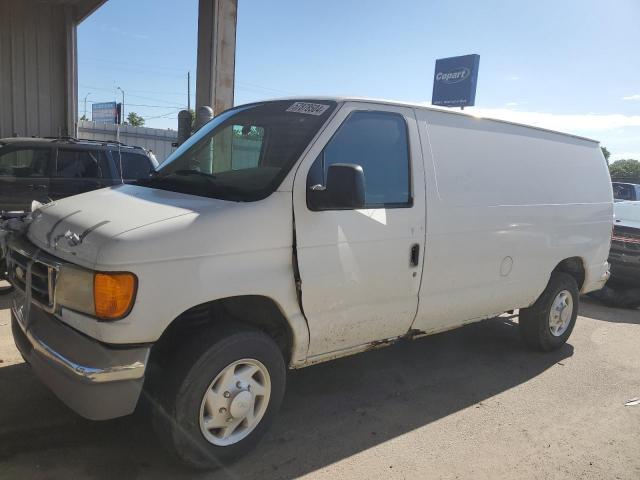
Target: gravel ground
(471,403)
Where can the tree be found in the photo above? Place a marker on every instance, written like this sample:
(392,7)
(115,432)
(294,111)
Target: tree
(606,154)
(135,120)
(193,121)
(84,118)
(625,170)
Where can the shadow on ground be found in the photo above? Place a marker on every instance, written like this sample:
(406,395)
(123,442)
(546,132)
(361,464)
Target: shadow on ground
(592,308)
(331,411)
(5,301)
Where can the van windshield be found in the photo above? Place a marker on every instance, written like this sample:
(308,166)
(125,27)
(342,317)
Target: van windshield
(244,153)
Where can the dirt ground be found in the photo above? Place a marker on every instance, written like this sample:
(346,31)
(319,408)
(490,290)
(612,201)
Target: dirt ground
(471,403)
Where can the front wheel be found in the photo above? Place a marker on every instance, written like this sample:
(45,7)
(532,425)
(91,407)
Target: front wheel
(218,407)
(547,324)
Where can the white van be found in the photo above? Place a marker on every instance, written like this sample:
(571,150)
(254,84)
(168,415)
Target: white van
(290,232)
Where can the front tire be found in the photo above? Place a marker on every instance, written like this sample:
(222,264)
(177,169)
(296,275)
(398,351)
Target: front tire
(547,324)
(219,400)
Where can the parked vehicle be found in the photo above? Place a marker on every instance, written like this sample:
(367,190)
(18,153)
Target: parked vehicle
(625,191)
(46,169)
(291,232)
(10,223)
(623,288)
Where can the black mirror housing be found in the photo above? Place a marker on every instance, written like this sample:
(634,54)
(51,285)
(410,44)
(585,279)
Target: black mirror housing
(344,189)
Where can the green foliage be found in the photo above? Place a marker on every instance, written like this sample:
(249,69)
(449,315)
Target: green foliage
(193,120)
(625,170)
(606,154)
(248,132)
(135,120)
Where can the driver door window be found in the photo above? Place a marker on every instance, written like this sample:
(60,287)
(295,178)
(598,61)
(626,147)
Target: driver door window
(377,141)
(24,163)
(23,177)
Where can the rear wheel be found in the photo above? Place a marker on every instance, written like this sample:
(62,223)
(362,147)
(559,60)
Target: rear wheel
(219,401)
(547,324)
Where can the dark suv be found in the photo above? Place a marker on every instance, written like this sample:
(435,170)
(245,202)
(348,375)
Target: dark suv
(46,169)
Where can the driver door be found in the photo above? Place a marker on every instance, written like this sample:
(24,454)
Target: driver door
(360,270)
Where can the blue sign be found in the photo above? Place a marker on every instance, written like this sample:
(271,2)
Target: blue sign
(455,80)
(105,112)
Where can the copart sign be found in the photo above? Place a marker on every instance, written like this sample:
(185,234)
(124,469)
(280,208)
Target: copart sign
(454,81)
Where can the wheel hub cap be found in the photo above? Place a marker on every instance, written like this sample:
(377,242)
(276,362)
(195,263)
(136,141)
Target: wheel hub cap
(241,404)
(235,402)
(561,313)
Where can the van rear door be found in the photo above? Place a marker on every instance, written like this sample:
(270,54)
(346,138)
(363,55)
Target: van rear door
(360,270)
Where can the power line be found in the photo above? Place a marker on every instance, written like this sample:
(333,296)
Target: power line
(137,105)
(168,104)
(166,115)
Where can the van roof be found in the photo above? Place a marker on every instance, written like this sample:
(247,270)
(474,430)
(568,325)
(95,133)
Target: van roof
(432,108)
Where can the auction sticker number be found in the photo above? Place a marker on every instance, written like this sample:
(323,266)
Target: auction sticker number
(308,108)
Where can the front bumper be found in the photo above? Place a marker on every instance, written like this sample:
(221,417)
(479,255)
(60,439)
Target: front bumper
(95,380)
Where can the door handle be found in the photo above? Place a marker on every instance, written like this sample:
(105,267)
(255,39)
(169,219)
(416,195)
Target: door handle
(414,257)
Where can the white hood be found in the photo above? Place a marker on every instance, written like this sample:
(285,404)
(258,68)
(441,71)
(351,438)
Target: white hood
(131,224)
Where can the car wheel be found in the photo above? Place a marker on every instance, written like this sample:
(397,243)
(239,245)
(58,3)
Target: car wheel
(547,324)
(220,399)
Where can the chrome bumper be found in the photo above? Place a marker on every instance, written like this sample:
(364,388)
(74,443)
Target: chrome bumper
(98,381)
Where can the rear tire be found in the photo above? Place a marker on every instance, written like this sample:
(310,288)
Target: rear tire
(211,383)
(547,324)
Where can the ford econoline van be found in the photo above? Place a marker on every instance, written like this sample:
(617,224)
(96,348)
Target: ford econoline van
(291,232)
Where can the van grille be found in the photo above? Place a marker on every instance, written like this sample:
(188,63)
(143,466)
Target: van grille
(26,272)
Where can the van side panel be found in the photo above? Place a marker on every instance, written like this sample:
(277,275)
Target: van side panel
(505,204)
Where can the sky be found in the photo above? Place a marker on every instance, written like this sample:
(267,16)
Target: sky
(571,65)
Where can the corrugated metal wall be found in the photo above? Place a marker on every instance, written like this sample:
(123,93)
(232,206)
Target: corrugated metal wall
(37,95)
(155,139)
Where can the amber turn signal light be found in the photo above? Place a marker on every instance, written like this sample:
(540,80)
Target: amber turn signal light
(113,294)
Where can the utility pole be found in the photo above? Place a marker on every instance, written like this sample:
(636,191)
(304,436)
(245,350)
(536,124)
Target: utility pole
(122,117)
(188,90)
(85,104)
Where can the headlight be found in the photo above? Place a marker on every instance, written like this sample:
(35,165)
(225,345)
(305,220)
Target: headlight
(108,296)
(74,289)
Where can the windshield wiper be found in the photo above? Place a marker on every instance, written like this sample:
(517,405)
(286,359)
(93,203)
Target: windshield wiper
(211,188)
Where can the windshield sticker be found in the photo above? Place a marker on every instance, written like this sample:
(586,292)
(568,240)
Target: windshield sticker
(308,108)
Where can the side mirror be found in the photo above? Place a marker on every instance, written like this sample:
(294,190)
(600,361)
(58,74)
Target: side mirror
(345,189)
